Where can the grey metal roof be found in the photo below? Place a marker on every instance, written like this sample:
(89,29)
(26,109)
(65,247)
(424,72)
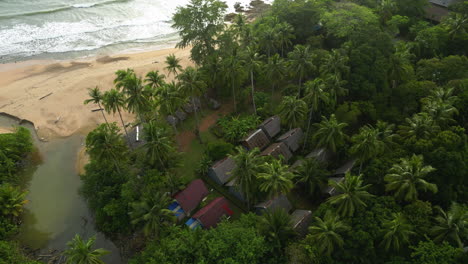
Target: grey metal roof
(321,154)
(330,190)
(347,167)
(275,203)
(300,220)
(276,150)
(220,171)
(271,126)
(292,138)
(445,3)
(256,139)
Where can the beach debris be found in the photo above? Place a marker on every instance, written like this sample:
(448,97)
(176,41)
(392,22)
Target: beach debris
(47,95)
(95,110)
(58,119)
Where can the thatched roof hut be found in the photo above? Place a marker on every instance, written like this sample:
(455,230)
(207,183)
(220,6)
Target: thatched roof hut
(292,138)
(256,139)
(220,171)
(276,150)
(271,126)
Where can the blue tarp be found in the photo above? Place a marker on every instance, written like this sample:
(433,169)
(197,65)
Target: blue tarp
(175,207)
(193,223)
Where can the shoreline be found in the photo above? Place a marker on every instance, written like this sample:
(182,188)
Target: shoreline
(50,93)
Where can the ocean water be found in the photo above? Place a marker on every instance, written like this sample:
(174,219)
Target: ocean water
(62,29)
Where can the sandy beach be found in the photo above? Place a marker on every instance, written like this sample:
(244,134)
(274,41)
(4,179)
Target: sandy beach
(63,85)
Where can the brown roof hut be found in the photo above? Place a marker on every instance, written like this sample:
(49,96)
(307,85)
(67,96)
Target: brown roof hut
(280,202)
(300,220)
(276,150)
(292,138)
(271,126)
(438,9)
(220,171)
(256,139)
(210,215)
(190,197)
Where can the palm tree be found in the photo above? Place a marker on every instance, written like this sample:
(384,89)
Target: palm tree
(96,97)
(12,200)
(191,84)
(275,70)
(386,10)
(268,39)
(400,67)
(245,172)
(439,111)
(158,144)
(80,251)
(154,79)
(367,144)
(315,95)
(407,178)
(300,62)
(233,68)
(277,228)
(419,126)
(327,233)
(253,63)
(456,24)
(152,212)
(397,232)
(352,194)
(336,87)
(169,98)
(113,101)
(329,133)
(292,111)
(275,178)
(451,226)
(135,98)
(284,34)
(313,175)
(121,75)
(385,132)
(335,64)
(173,64)
(105,144)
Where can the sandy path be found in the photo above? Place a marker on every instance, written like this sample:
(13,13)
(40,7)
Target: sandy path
(62,113)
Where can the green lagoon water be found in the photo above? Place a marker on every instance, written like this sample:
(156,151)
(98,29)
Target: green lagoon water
(56,211)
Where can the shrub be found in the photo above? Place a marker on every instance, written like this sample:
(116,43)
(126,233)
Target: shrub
(235,128)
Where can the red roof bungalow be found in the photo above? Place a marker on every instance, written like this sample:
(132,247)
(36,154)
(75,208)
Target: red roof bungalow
(210,215)
(189,198)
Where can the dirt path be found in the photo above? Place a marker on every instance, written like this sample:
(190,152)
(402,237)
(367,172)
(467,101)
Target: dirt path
(185,138)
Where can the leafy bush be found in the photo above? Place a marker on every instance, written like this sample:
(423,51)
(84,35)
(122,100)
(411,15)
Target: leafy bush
(236,128)
(218,150)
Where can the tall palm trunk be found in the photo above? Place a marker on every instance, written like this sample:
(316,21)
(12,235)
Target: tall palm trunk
(253,92)
(103,115)
(308,128)
(234,95)
(197,121)
(300,84)
(123,124)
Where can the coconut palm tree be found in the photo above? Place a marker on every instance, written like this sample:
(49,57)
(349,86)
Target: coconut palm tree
(113,101)
(105,144)
(406,179)
(268,39)
(315,95)
(439,111)
(351,194)
(400,67)
(456,24)
(253,63)
(245,172)
(121,75)
(397,232)
(192,85)
(367,144)
(80,251)
(154,79)
(275,70)
(385,132)
(96,97)
(275,178)
(277,228)
(327,233)
(292,111)
(313,175)
(152,212)
(12,200)
(335,87)
(419,126)
(330,133)
(173,64)
(233,68)
(335,64)
(300,62)
(169,98)
(158,144)
(451,226)
(135,98)
(285,35)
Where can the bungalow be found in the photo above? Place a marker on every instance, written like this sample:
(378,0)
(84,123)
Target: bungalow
(235,190)
(347,167)
(188,199)
(256,139)
(330,190)
(292,139)
(276,150)
(220,171)
(271,126)
(181,115)
(280,202)
(210,215)
(321,155)
(300,220)
(438,9)
(172,120)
